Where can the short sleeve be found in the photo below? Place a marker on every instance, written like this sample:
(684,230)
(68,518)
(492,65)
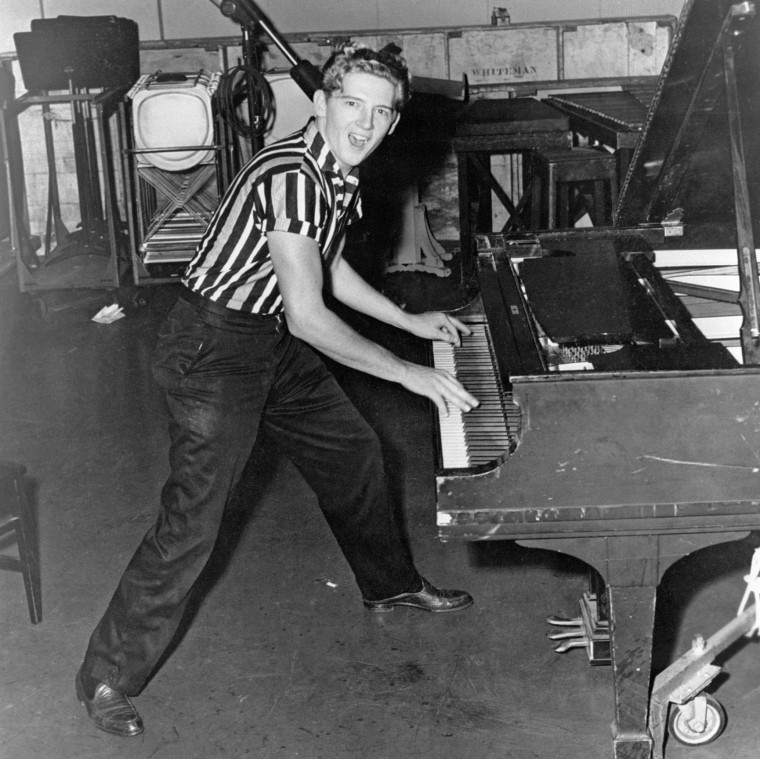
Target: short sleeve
(292,202)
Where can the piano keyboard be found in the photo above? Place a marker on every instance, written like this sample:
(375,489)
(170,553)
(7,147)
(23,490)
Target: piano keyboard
(481,435)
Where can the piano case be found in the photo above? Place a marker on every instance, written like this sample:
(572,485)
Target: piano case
(651,453)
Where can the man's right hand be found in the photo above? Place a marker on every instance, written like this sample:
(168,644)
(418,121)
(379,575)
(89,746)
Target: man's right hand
(442,388)
(298,267)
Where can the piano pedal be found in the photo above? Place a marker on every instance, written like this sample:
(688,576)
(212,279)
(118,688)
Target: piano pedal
(571,633)
(564,621)
(586,631)
(579,642)
(576,632)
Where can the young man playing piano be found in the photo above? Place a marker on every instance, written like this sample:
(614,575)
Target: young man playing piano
(236,356)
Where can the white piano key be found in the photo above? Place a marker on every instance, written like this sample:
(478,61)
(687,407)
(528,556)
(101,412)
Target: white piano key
(481,435)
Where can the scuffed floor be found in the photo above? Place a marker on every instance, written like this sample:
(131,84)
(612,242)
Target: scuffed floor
(278,658)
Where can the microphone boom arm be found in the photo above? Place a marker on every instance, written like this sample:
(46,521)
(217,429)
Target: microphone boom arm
(305,74)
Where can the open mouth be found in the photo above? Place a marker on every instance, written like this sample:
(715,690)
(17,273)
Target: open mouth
(357,141)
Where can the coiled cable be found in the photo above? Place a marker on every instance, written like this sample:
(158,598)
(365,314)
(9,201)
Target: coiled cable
(233,92)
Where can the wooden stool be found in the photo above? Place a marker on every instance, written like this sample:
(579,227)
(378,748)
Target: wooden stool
(492,127)
(16,517)
(553,171)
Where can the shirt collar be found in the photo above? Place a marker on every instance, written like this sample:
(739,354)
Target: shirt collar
(325,159)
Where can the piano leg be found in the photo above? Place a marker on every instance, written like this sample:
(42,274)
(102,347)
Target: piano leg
(631,612)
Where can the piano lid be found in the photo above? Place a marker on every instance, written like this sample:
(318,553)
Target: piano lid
(683,159)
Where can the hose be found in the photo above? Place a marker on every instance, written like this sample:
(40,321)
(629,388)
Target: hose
(234,88)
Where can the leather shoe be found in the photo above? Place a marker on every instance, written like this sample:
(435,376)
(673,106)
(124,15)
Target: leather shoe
(110,710)
(429,598)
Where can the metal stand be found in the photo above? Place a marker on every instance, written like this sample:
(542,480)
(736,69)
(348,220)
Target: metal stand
(249,16)
(92,256)
(677,703)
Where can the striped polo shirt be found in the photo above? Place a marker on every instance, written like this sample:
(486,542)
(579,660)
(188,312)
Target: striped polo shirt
(293,185)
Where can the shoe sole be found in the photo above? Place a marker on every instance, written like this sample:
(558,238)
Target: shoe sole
(385,608)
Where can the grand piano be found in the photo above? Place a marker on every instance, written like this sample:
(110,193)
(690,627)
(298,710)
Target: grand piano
(611,429)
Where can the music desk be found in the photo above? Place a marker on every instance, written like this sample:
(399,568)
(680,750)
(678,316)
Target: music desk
(489,127)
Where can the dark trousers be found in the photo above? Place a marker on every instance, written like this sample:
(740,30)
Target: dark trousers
(225,378)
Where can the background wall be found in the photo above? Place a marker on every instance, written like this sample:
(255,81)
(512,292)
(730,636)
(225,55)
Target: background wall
(442,39)
(187,19)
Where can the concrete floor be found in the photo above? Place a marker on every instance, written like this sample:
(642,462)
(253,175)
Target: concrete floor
(279,659)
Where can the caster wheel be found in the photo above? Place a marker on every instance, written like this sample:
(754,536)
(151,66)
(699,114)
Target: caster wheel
(697,722)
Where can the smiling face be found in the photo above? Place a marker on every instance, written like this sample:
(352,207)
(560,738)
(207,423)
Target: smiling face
(356,119)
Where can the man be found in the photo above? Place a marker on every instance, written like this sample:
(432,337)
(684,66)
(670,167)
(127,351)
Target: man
(236,356)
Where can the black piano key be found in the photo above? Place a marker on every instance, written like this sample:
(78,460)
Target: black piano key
(481,435)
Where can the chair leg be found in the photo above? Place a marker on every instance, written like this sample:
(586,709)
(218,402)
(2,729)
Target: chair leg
(536,198)
(28,553)
(563,215)
(613,195)
(600,210)
(551,199)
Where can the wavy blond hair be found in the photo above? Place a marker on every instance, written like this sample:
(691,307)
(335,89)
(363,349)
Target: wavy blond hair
(386,63)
